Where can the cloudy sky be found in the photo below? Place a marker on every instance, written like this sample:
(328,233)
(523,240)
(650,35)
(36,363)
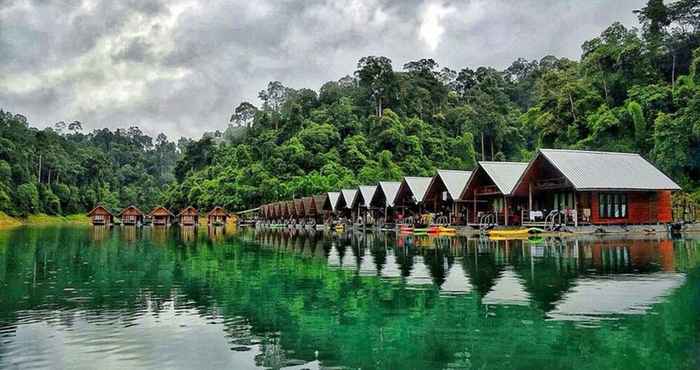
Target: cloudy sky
(180,66)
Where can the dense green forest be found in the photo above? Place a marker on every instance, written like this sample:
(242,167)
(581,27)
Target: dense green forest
(61,170)
(633,90)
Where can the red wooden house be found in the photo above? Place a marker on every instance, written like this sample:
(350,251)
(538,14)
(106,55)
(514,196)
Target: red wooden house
(131,216)
(443,195)
(188,216)
(489,191)
(100,216)
(411,194)
(217,216)
(161,216)
(383,199)
(599,188)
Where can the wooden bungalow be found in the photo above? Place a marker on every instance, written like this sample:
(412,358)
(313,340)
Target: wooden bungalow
(280,209)
(309,207)
(323,209)
(490,190)
(188,217)
(599,188)
(131,216)
(100,216)
(362,204)
(344,204)
(333,197)
(383,199)
(299,208)
(217,216)
(161,216)
(291,209)
(443,195)
(410,196)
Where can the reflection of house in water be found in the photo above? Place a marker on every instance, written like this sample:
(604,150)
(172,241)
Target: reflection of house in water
(624,294)
(456,281)
(419,275)
(508,290)
(188,233)
(216,233)
(99,232)
(129,232)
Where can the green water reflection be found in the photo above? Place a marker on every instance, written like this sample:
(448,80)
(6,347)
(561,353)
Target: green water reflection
(76,297)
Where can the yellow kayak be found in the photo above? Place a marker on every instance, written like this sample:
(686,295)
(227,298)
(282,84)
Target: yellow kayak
(514,233)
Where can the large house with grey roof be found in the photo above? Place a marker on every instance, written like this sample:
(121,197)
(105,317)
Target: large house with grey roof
(600,188)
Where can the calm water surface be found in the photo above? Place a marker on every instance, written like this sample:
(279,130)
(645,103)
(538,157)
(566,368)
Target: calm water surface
(78,297)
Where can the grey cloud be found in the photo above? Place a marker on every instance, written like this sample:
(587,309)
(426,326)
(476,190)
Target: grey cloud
(180,67)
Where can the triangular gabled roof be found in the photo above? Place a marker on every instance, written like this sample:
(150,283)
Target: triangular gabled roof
(160,209)
(418,186)
(349,196)
(299,207)
(389,189)
(309,206)
(98,207)
(333,197)
(505,175)
(365,195)
(320,201)
(591,170)
(455,181)
(130,208)
(291,208)
(219,211)
(189,210)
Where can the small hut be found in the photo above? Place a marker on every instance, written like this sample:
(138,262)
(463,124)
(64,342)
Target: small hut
(188,216)
(161,216)
(217,216)
(291,209)
(299,207)
(131,216)
(100,216)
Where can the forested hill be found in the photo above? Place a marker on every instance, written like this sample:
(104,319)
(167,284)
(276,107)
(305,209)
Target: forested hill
(61,170)
(633,90)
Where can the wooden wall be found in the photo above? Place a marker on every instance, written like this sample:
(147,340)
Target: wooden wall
(643,208)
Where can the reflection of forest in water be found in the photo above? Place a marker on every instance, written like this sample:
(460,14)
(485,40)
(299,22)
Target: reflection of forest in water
(284,297)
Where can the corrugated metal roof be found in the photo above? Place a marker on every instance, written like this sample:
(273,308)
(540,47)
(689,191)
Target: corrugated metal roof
(587,170)
(390,188)
(333,196)
(349,196)
(367,192)
(455,181)
(418,186)
(504,174)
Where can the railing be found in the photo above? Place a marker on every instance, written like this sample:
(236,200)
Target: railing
(486,221)
(487,189)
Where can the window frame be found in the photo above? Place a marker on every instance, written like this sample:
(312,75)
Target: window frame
(613,205)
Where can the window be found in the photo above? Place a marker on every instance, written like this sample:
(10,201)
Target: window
(563,201)
(498,205)
(612,205)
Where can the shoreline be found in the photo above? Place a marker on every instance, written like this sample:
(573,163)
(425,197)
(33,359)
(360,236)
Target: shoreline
(7,221)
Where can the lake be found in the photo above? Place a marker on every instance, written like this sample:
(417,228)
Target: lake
(83,297)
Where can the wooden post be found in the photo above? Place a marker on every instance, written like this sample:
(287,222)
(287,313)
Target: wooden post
(529,193)
(505,210)
(575,209)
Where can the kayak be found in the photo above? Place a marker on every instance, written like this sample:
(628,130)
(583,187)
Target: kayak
(515,233)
